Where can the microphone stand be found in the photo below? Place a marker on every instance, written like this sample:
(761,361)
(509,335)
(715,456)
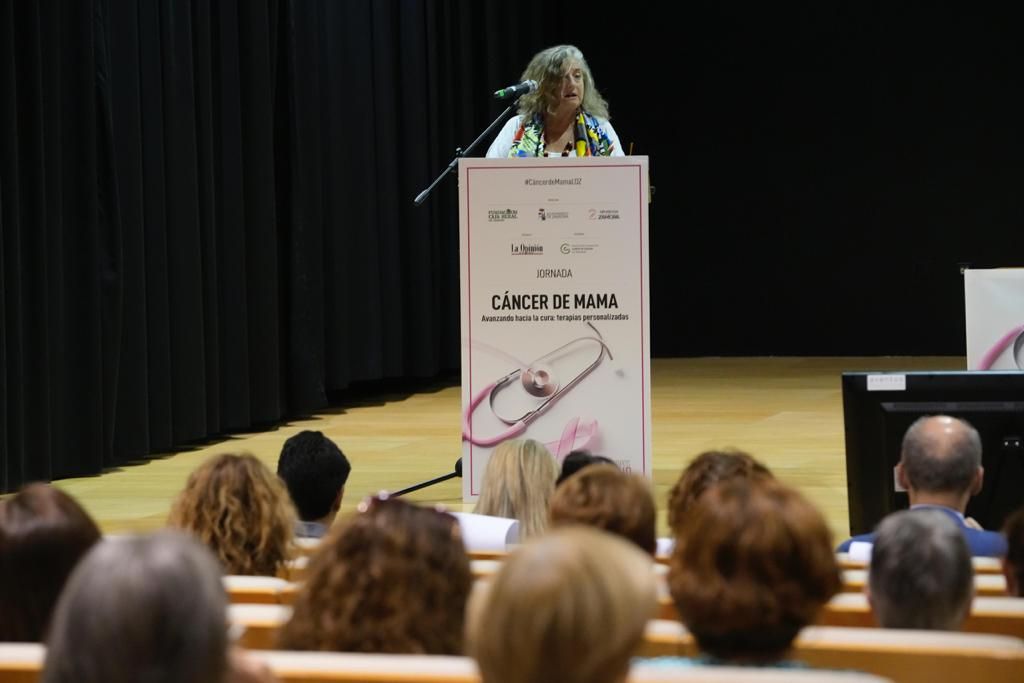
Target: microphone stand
(420,198)
(431,482)
(459,152)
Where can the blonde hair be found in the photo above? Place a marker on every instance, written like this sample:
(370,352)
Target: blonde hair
(518,482)
(240,510)
(569,607)
(547,67)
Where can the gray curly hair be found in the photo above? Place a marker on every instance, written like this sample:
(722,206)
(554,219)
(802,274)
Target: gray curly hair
(547,68)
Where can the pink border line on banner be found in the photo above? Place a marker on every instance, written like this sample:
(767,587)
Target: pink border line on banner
(643,321)
(469,301)
(643,379)
(469,322)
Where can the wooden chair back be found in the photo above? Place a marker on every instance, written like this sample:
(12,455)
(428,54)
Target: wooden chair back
(268,590)
(23,664)
(905,656)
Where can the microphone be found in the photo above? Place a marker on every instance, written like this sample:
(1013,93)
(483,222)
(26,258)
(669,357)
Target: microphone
(516,90)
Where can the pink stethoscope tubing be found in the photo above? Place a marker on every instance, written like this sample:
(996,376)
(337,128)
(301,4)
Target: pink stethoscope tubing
(1014,336)
(514,430)
(575,428)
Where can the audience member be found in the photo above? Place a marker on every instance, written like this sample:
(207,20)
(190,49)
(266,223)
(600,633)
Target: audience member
(43,534)
(518,482)
(707,469)
(602,496)
(921,575)
(753,564)
(392,578)
(568,607)
(576,461)
(315,471)
(1013,563)
(145,609)
(940,467)
(240,510)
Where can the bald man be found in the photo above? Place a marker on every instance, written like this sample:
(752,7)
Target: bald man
(940,467)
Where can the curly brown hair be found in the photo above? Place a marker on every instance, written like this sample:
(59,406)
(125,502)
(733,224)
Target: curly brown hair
(240,510)
(707,469)
(752,565)
(392,578)
(603,496)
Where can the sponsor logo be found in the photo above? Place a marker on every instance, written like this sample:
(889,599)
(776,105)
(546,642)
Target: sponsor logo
(527,249)
(502,215)
(549,215)
(603,214)
(577,248)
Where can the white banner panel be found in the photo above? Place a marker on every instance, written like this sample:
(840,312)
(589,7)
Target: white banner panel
(994,301)
(555,301)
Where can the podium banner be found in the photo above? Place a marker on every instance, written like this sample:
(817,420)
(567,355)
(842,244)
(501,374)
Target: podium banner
(994,301)
(555,308)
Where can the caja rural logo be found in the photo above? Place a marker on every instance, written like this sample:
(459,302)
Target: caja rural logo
(502,215)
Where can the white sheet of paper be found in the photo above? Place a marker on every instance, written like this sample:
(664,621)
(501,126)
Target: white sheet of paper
(482,532)
(860,552)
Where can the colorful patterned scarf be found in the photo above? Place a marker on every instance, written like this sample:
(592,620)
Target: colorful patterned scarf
(529,139)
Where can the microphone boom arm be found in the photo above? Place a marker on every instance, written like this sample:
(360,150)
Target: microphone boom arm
(459,152)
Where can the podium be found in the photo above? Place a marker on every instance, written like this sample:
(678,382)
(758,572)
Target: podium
(994,312)
(555,308)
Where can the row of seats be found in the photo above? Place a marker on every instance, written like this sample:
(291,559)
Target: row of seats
(990,585)
(905,656)
(999,615)
(865,649)
(1002,615)
(305,547)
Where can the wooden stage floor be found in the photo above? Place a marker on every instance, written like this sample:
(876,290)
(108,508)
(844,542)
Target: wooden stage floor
(785,411)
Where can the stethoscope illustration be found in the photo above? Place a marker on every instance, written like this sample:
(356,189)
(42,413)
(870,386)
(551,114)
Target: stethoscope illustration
(1014,337)
(538,380)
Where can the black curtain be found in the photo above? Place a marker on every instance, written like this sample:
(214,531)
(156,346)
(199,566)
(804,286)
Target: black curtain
(61,259)
(206,218)
(822,169)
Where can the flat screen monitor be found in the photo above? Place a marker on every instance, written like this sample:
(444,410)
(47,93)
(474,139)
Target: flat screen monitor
(879,407)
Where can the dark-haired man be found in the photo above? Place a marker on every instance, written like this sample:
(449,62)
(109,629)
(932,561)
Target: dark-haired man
(315,471)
